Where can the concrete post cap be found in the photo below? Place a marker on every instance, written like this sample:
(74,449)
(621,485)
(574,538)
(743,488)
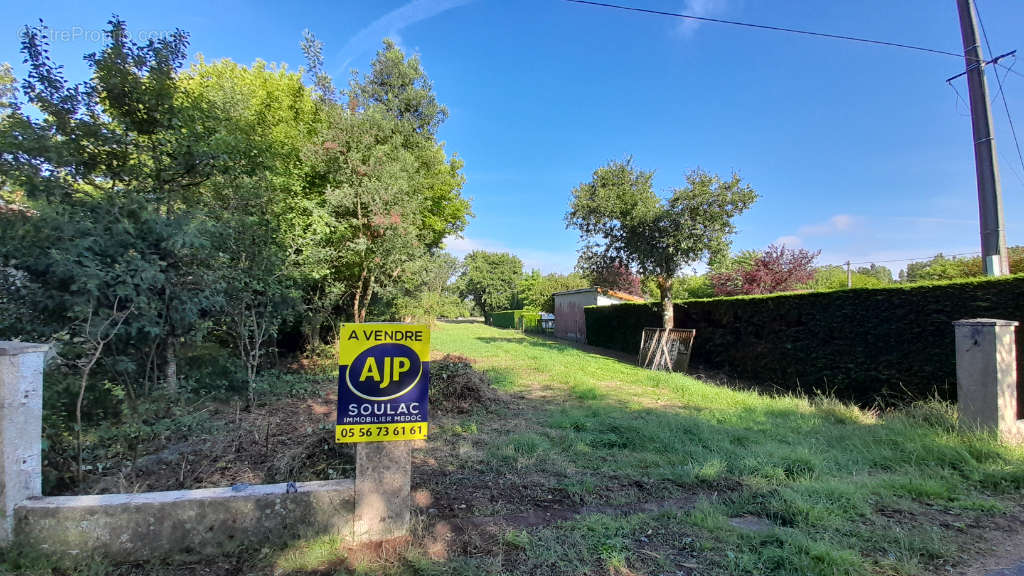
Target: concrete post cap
(12,348)
(985,322)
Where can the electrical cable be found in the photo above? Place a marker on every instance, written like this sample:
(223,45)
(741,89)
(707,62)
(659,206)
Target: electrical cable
(1006,107)
(767,27)
(913,259)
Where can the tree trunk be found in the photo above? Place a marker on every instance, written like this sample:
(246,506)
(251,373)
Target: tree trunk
(667,312)
(171,369)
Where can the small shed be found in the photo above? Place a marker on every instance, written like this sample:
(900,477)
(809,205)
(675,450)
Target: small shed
(570,323)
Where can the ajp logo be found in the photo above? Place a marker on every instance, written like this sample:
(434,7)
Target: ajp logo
(383,382)
(384,371)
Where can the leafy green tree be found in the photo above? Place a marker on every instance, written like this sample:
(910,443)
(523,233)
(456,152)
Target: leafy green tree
(491,279)
(390,192)
(832,277)
(109,157)
(427,290)
(942,267)
(881,273)
(399,86)
(619,215)
(693,286)
(262,117)
(536,291)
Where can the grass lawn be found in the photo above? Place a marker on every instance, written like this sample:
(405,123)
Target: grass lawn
(589,465)
(783,485)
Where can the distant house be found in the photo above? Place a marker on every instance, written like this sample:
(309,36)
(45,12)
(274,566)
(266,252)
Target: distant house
(569,321)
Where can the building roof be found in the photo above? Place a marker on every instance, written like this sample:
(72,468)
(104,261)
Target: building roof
(605,291)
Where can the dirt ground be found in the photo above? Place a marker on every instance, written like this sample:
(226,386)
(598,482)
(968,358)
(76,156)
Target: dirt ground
(288,440)
(460,510)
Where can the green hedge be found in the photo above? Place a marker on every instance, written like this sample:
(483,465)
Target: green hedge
(893,343)
(506,318)
(531,322)
(525,320)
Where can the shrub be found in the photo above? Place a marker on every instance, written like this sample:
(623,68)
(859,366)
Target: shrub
(530,322)
(506,318)
(525,320)
(864,344)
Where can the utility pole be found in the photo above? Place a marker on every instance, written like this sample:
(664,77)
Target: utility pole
(849,275)
(990,201)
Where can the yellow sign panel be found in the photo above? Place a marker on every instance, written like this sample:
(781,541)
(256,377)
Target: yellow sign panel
(383,382)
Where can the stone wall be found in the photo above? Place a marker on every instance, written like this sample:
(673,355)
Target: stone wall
(185,523)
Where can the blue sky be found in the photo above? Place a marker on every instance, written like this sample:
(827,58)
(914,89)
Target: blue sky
(860,151)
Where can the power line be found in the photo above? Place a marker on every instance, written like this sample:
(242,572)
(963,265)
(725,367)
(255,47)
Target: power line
(767,27)
(915,259)
(1006,107)
(1009,69)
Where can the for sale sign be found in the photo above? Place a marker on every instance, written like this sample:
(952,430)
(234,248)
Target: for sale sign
(383,381)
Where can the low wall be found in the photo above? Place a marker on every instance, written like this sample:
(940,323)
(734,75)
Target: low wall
(183,523)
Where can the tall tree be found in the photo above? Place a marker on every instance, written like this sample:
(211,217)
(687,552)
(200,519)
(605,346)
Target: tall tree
(390,191)
(491,280)
(777,269)
(401,87)
(619,215)
(536,291)
(881,273)
(111,158)
(266,220)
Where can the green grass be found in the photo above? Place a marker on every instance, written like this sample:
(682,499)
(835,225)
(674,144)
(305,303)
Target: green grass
(833,489)
(846,491)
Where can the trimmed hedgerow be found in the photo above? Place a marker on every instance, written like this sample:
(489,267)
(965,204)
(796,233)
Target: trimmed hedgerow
(868,344)
(531,322)
(518,319)
(506,318)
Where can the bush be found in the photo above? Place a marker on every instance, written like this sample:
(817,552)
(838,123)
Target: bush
(506,319)
(530,322)
(869,344)
(525,320)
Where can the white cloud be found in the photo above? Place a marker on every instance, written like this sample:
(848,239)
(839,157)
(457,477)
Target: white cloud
(702,8)
(391,24)
(789,241)
(838,224)
(835,224)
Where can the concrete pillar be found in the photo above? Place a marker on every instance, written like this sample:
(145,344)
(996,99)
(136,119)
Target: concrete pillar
(383,471)
(986,376)
(21,428)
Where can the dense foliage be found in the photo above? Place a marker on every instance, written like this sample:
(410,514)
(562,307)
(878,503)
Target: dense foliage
(943,267)
(608,272)
(861,344)
(491,280)
(777,269)
(619,216)
(155,211)
(536,290)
